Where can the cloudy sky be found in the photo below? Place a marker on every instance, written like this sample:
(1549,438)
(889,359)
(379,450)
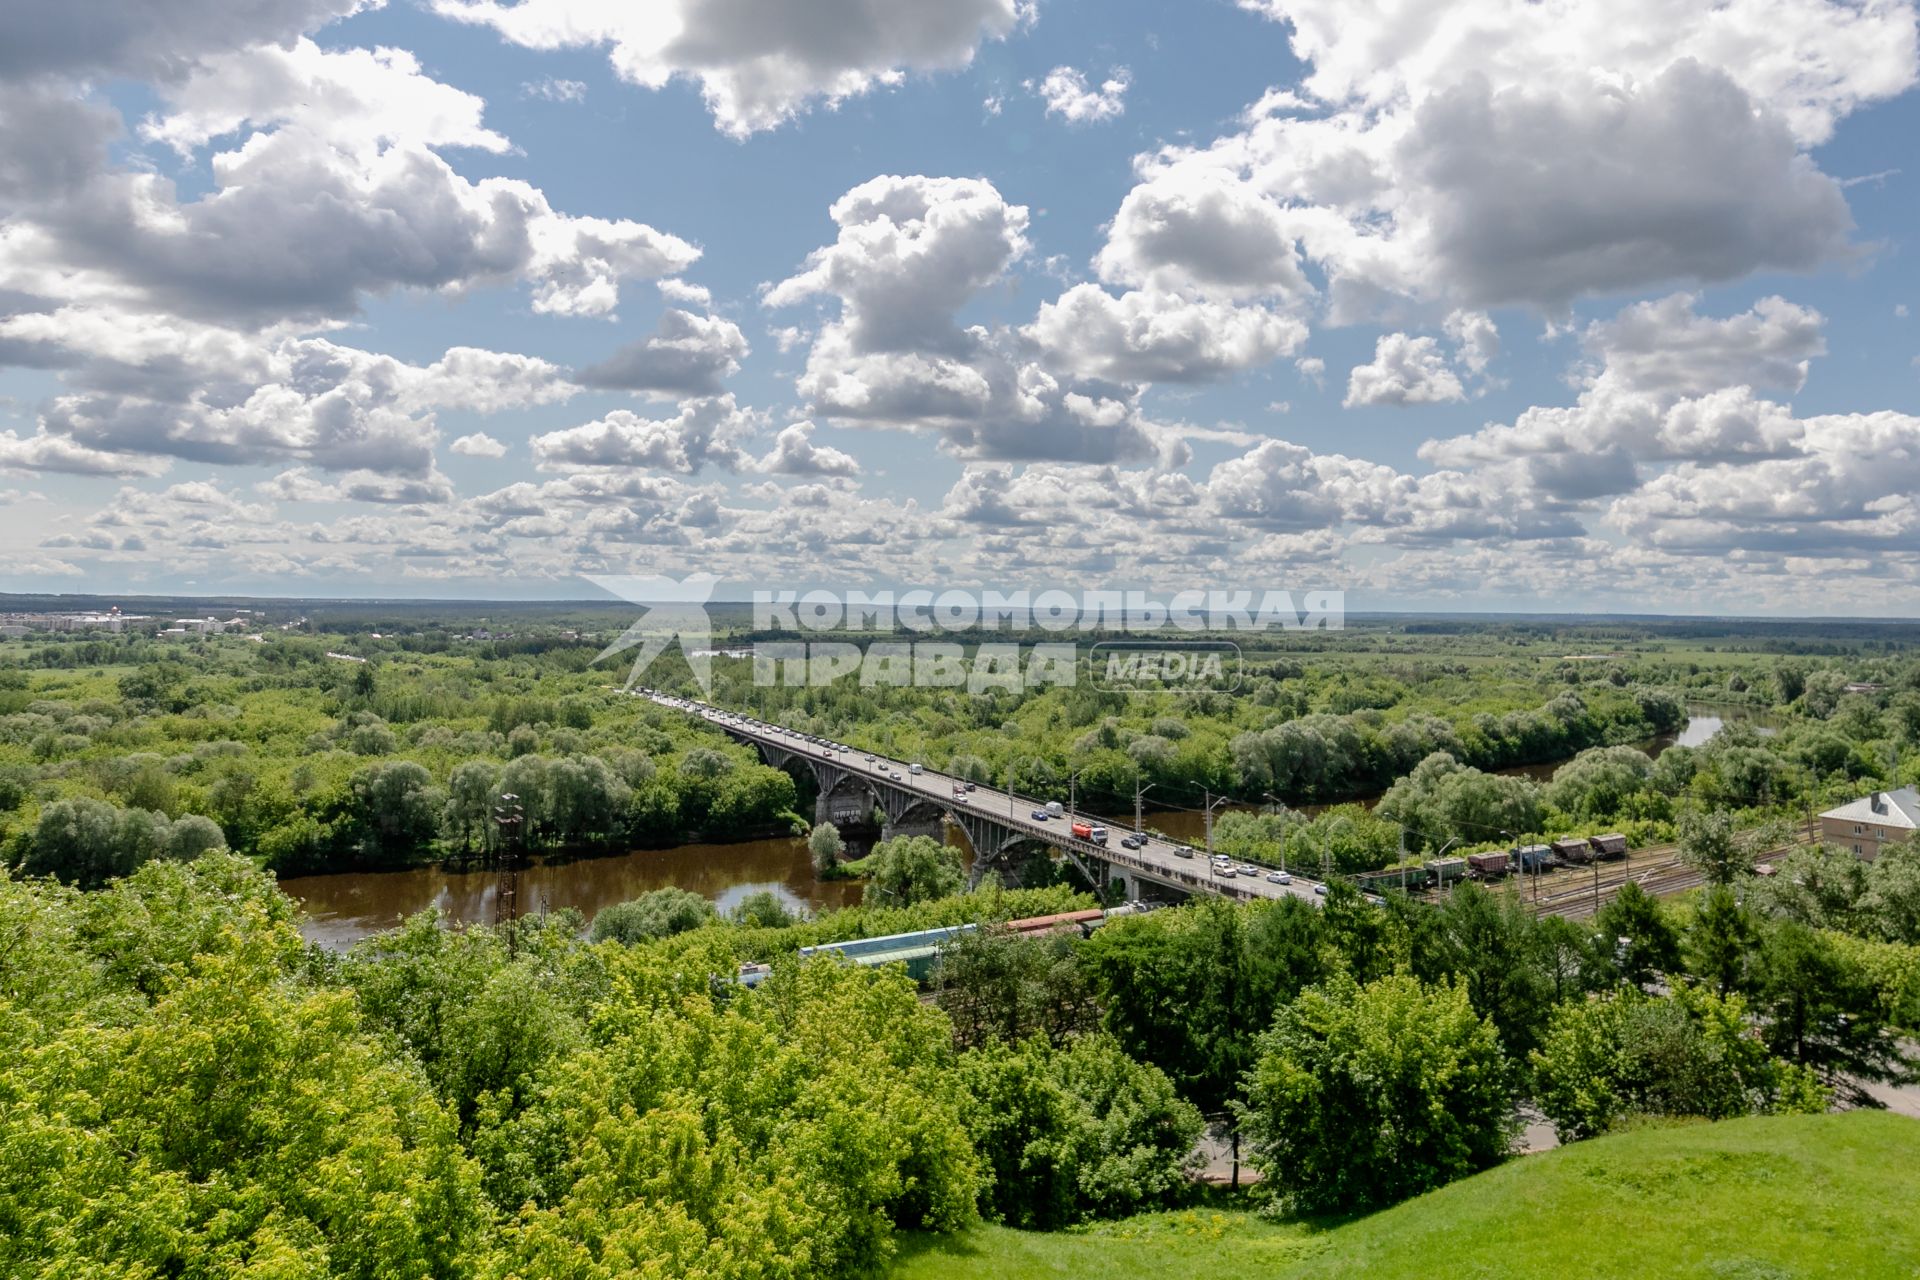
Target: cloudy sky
(1497,304)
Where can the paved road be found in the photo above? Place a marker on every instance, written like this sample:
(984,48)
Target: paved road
(1158,859)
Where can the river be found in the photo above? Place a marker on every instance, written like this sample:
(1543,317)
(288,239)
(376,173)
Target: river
(342,909)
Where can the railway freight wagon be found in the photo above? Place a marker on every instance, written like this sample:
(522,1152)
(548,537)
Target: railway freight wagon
(1529,858)
(1442,872)
(1574,850)
(1609,846)
(1397,878)
(1064,922)
(1487,866)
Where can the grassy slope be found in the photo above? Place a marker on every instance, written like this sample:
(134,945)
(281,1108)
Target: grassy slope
(1759,1199)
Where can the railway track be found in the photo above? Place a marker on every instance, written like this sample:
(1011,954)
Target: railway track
(1578,894)
(1580,901)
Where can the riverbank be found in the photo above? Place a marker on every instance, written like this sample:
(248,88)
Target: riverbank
(344,907)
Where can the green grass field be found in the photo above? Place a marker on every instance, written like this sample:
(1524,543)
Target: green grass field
(1758,1199)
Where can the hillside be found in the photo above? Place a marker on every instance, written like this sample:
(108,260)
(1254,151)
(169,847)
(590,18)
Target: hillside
(1756,1199)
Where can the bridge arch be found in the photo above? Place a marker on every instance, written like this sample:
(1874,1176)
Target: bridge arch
(848,801)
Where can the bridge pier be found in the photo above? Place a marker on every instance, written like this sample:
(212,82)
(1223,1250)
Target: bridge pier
(934,828)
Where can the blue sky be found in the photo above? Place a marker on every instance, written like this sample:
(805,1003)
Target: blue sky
(1498,305)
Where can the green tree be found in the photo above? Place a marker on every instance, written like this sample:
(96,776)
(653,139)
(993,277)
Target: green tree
(1710,843)
(88,842)
(910,869)
(1721,941)
(659,914)
(1689,1054)
(825,847)
(1075,1132)
(1443,799)
(1821,1009)
(397,808)
(1005,986)
(1637,936)
(763,909)
(468,817)
(1824,888)
(1892,898)
(1364,1096)
(1489,941)
(1598,782)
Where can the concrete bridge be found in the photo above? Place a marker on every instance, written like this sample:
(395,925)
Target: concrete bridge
(999,825)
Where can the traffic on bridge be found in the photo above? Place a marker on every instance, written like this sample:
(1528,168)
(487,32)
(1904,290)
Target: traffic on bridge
(994,819)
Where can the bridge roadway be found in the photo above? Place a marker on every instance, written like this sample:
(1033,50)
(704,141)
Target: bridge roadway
(993,820)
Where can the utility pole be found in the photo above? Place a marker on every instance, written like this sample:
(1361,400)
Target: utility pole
(1596,888)
(1280,812)
(1212,804)
(1139,794)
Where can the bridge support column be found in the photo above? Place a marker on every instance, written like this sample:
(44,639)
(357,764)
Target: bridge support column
(934,827)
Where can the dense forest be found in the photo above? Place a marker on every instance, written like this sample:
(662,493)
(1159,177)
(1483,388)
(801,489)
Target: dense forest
(315,753)
(188,1089)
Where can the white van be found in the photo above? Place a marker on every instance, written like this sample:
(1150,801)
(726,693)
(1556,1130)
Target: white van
(913,768)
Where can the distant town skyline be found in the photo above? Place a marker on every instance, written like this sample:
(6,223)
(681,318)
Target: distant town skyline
(1498,306)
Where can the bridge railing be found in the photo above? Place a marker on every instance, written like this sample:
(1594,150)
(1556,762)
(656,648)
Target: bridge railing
(1087,848)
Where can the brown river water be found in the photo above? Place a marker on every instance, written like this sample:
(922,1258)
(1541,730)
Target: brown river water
(342,909)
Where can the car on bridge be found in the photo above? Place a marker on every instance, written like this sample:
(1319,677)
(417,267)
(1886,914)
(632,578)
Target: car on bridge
(1039,815)
(1279,877)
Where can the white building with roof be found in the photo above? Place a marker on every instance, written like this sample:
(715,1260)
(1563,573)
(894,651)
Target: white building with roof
(1872,822)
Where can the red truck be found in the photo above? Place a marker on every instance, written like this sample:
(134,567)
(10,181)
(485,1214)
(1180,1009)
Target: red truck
(1087,831)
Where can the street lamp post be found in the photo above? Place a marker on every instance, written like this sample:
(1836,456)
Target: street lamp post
(1280,812)
(1211,804)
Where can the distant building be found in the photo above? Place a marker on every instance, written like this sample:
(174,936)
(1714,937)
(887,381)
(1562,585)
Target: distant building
(113,620)
(1869,824)
(201,626)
